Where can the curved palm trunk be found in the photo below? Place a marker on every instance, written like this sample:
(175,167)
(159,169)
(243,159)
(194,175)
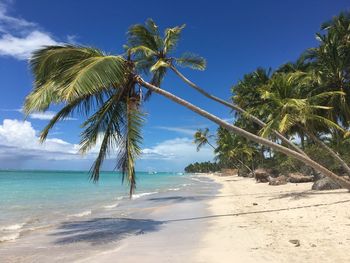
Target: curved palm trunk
(328,149)
(345,183)
(211,145)
(238,109)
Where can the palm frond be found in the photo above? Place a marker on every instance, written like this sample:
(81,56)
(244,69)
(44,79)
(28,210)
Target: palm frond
(153,28)
(328,94)
(172,37)
(83,105)
(129,148)
(109,116)
(156,80)
(159,64)
(50,62)
(191,61)
(320,120)
(106,123)
(142,35)
(143,49)
(90,75)
(286,123)
(64,73)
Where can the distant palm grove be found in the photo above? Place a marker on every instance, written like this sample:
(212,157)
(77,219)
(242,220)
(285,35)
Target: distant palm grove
(294,118)
(306,101)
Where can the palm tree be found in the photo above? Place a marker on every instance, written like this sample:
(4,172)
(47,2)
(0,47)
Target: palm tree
(107,89)
(98,86)
(153,52)
(292,110)
(233,149)
(331,63)
(201,138)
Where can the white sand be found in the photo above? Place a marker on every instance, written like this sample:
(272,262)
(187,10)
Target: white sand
(243,232)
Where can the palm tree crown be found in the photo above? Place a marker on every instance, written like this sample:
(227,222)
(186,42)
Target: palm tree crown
(201,138)
(152,51)
(98,86)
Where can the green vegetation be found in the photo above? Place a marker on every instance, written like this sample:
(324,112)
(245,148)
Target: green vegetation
(204,167)
(307,100)
(108,91)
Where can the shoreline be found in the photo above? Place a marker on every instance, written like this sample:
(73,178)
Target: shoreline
(217,219)
(135,230)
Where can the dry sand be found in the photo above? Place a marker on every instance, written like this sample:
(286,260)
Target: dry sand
(254,222)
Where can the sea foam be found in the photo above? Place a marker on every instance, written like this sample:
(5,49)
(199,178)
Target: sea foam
(12,227)
(111,206)
(84,213)
(143,194)
(10,237)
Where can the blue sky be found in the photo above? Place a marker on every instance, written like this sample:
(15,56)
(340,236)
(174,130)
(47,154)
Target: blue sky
(235,37)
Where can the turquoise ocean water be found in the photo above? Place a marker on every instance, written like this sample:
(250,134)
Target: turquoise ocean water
(37,199)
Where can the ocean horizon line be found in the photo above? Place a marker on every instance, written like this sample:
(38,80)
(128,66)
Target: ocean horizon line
(79,171)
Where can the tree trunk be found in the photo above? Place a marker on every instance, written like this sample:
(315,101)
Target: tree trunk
(345,183)
(246,166)
(238,109)
(328,149)
(211,145)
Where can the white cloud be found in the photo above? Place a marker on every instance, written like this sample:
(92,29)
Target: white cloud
(19,37)
(186,131)
(178,150)
(19,139)
(47,115)
(22,47)
(19,143)
(173,155)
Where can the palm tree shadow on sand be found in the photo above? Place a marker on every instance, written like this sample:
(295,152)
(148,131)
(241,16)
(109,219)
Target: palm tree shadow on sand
(103,230)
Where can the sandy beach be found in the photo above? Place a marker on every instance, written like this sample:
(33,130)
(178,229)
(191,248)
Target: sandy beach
(254,222)
(250,222)
(219,219)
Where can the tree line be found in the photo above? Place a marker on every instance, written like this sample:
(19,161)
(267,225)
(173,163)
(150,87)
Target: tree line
(302,104)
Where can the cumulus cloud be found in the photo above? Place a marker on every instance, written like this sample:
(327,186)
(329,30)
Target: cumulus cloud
(19,37)
(18,139)
(23,46)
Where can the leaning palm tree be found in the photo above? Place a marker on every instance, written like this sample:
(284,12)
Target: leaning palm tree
(107,90)
(153,53)
(201,138)
(293,110)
